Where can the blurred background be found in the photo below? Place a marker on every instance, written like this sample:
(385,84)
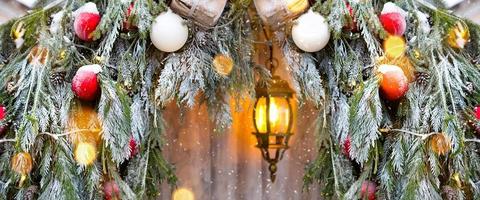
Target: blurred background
(14,8)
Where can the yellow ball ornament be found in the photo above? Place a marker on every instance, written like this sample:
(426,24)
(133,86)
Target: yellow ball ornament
(21,163)
(223,64)
(84,125)
(458,36)
(297,6)
(394,46)
(183,194)
(440,144)
(85,153)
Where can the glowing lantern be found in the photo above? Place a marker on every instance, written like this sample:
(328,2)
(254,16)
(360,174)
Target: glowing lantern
(273,120)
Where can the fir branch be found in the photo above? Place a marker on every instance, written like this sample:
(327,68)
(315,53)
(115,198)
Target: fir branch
(337,19)
(307,81)
(370,25)
(114,113)
(365,118)
(63,181)
(111,24)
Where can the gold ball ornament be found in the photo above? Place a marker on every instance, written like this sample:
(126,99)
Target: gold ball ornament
(85,153)
(22,164)
(394,46)
(84,125)
(183,194)
(297,6)
(223,64)
(458,36)
(440,144)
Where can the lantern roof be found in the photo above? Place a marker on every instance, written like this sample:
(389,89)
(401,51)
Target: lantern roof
(276,87)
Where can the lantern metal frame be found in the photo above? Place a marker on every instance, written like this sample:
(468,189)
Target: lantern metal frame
(276,88)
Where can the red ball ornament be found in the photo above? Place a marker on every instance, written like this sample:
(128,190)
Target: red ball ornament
(346,147)
(393,19)
(3,115)
(368,190)
(126,24)
(86,21)
(393,82)
(476,110)
(85,84)
(111,190)
(133,147)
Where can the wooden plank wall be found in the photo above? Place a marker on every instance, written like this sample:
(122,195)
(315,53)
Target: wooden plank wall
(226,165)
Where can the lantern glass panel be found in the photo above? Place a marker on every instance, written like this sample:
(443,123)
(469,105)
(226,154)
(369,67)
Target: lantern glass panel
(278,118)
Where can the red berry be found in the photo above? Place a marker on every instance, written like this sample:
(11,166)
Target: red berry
(476,109)
(133,147)
(353,25)
(126,24)
(393,83)
(84,25)
(3,115)
(84,83)
(111,190)
(346,147)
(368,190)
(394,23)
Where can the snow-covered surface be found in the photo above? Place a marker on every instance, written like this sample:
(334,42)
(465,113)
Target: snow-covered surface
(56,24)
(389,68)
(393,8)
(91,68)
(87,8)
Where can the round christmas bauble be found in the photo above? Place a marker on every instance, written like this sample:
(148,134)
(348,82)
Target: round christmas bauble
(476,110)
(310,32)
(3,115)
(458,36)
(85,153)
(440,144)
(86,21)
(22,163)
(183,194)
(393,19)
(111,190)
(346,147)
(84,125)
(393,82)
(85,84)
(223,64)
(169,32)
(368,190)
(133,147)
(394,46)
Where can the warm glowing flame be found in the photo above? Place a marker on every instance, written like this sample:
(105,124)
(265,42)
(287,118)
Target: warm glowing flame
(279,115)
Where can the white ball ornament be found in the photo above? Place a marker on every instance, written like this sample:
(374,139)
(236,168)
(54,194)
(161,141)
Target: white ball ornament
(168,33)
(310,32)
